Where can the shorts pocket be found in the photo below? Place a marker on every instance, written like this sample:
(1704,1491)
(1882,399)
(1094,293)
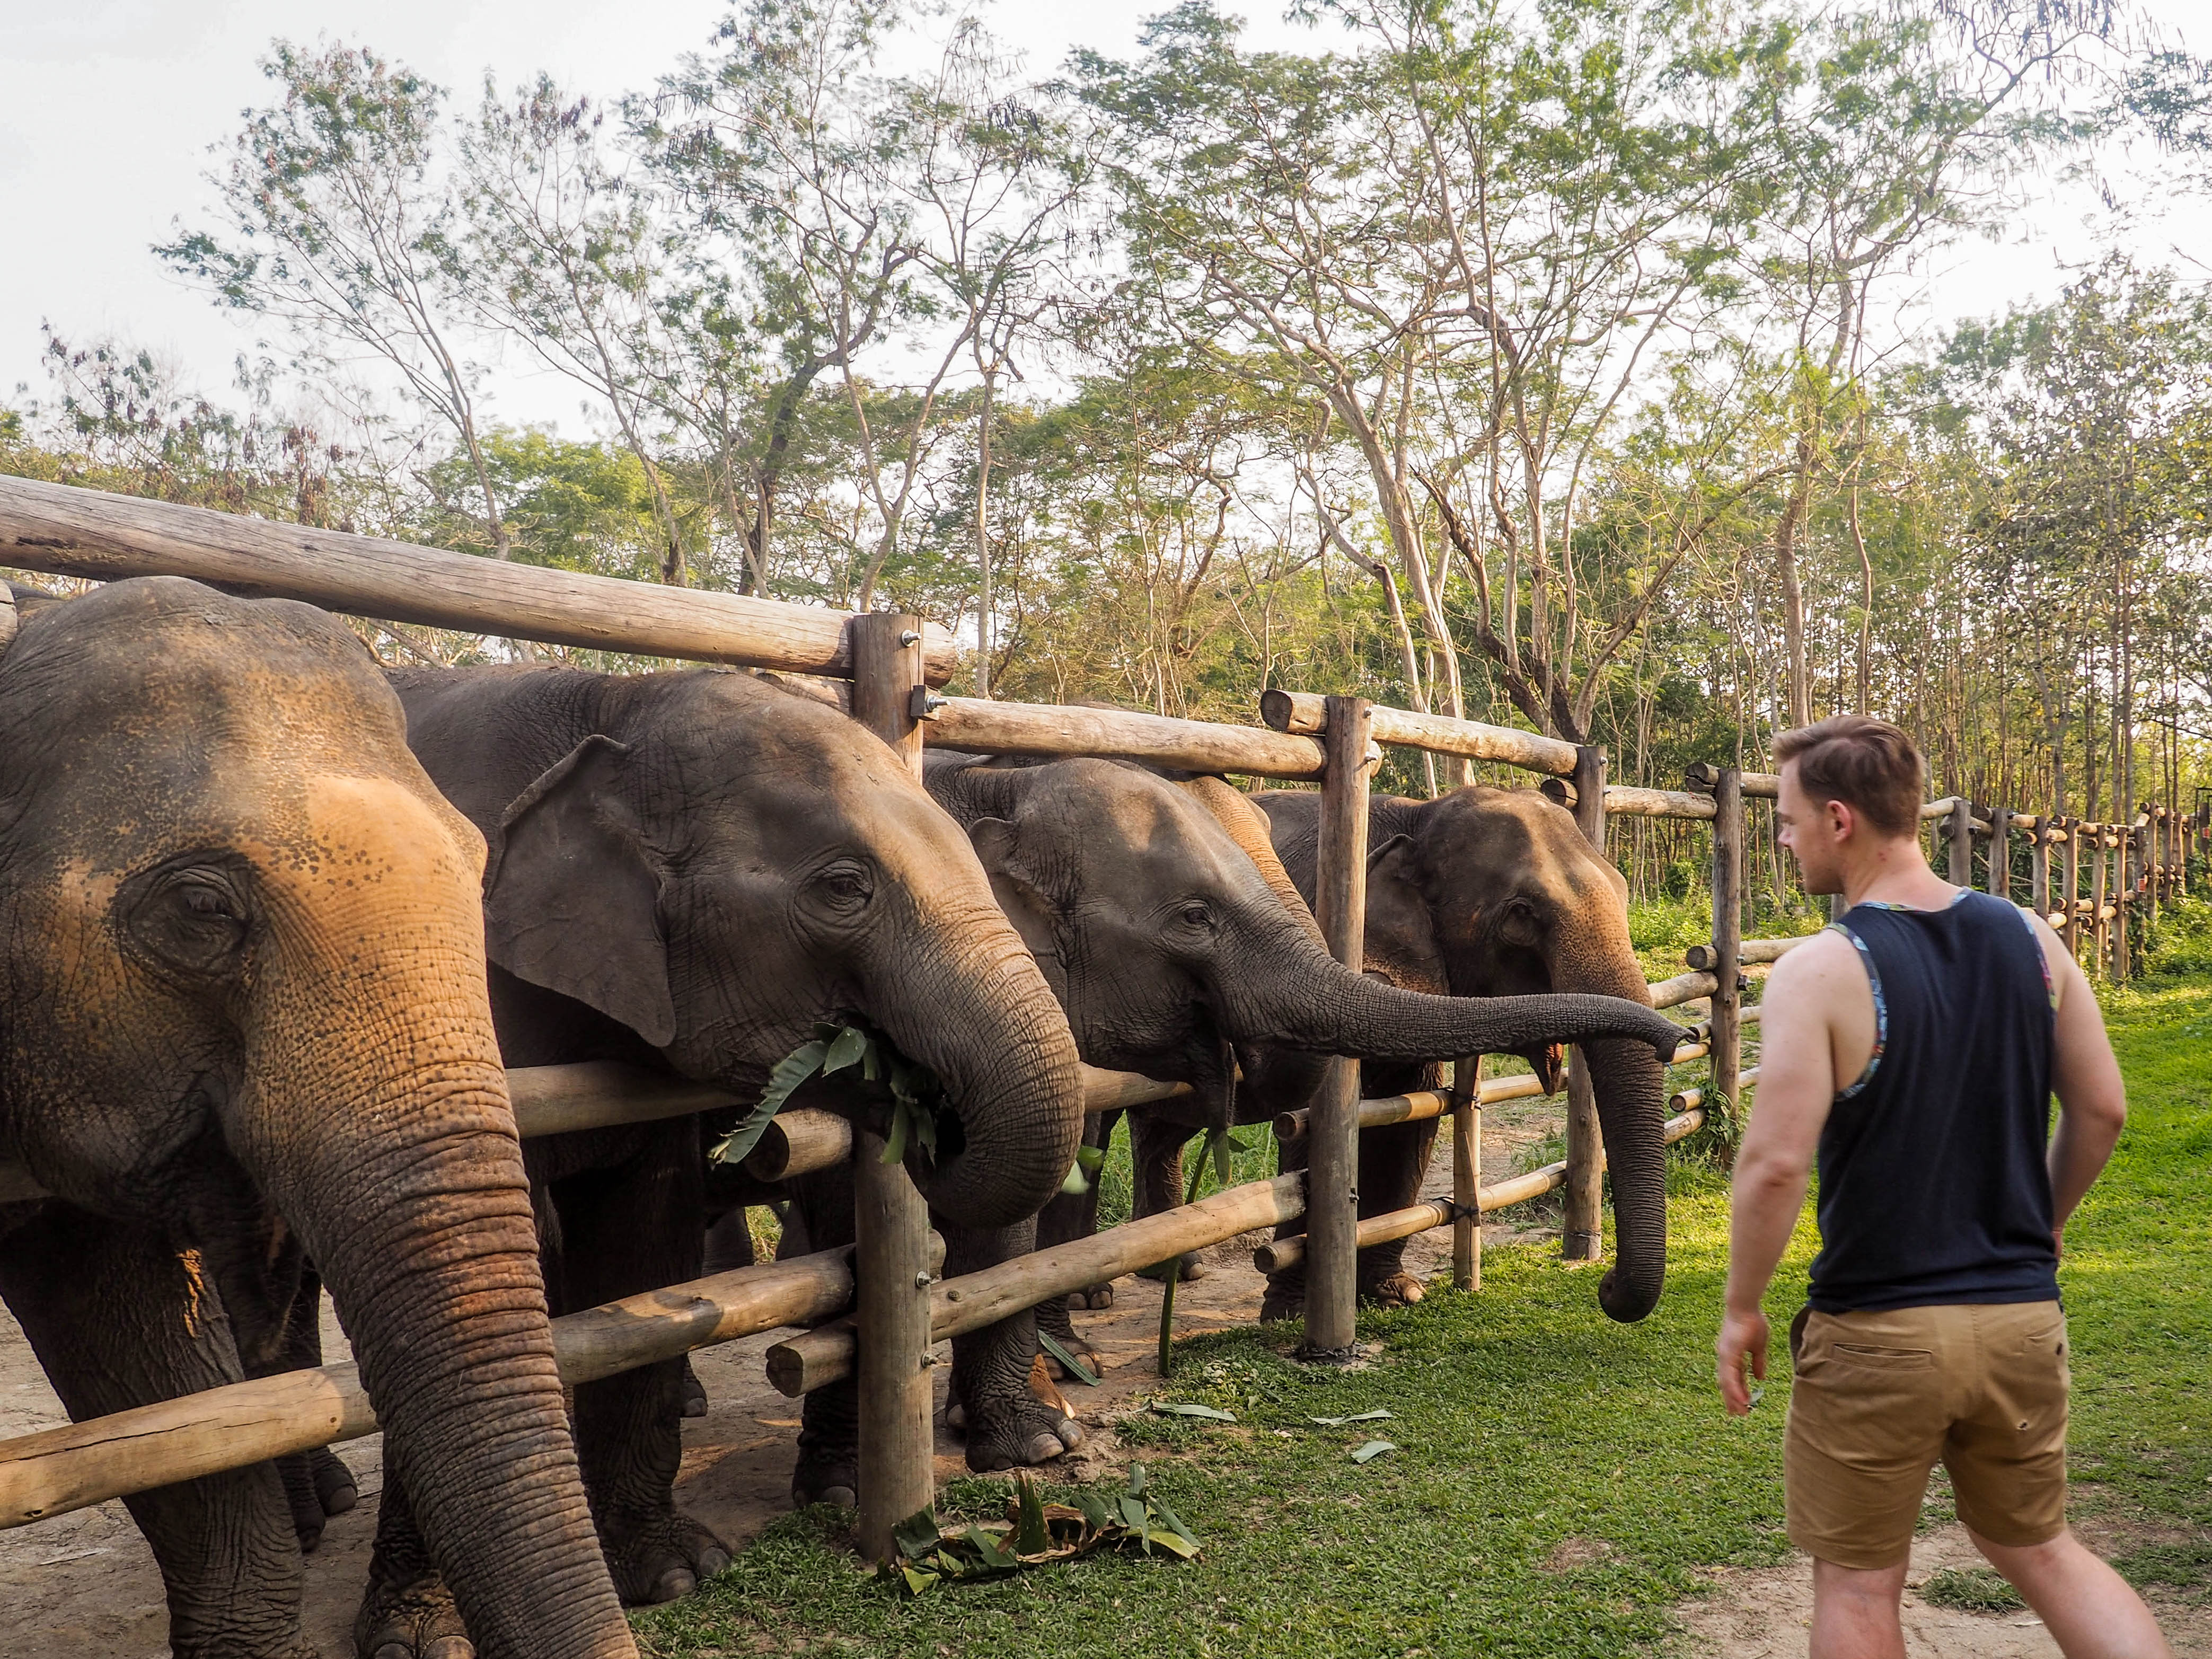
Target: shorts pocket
(1868,1358)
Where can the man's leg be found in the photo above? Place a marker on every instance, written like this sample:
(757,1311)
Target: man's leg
(2090,1611)
(1855,1612)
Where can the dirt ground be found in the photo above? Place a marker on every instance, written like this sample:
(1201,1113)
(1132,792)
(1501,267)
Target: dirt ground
(85,1585)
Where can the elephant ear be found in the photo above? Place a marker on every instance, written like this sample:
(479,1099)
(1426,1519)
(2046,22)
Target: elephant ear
(997,844)
(572,894)
(1401,937)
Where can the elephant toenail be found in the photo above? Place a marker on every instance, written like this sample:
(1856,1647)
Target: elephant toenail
(675,1583)
(843,1496)
(341,1501)
(712,1561)
(395,1650)
(1070,1434)
(450,1647)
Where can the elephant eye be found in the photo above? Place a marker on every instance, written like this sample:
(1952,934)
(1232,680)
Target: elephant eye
(191,918)
(1194,913)
(842,889)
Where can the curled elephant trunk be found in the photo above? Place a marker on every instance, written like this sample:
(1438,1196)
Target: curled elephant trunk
(1281,987)
(1631,1088)
(394,1156)
(970,1002)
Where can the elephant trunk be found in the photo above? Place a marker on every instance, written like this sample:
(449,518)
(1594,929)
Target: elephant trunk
(1281,987)
(970,1002)
(1631,1088)
(374,1113)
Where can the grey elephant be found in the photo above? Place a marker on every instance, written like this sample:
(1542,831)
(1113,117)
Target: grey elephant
(688,872)
(1485,893)
(1181,949)
(244,1017)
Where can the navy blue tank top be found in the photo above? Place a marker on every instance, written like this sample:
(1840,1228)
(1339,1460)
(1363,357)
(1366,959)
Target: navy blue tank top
(1933,1184)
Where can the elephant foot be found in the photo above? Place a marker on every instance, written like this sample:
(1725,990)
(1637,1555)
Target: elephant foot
(1017,1433)
(659,1556)
(826,1479)
(412,1621)
(695,1393)
(1193,1268)
(317,1485)
(1398,1291)
(1283,1301)
(1093,1361)
(1097,1298)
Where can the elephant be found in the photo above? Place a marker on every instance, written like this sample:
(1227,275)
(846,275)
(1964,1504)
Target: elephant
(1488,892)
(244,1022)
(688,870)
(1180,949)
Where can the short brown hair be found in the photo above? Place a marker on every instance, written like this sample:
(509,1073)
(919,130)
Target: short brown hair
(1868,764)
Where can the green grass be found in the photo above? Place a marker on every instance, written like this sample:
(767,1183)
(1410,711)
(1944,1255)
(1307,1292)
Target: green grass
(1558,1478)
(1977,1589)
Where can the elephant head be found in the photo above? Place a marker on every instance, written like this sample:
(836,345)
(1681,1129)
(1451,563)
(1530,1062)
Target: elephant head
(1494,892)
(721,863)
(244,962)
(1166,940)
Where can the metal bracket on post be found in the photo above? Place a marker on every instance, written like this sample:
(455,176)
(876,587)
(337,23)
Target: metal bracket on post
(1581,1225)
(1727,1040)
(891,1274)
(1333,1125)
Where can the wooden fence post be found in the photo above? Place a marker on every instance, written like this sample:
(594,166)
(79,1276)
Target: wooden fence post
(2039,866)
(2001,851)
(1581,1227)
(1727,1040)
(1333,1127)
(2101,931)
(2072,861)
(1959,827)
(1467,1173)
(891,1273)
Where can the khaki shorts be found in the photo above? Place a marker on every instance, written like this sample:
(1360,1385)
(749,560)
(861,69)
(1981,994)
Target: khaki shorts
(1880,1397)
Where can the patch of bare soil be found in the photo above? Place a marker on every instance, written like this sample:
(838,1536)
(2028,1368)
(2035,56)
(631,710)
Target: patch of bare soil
(85,1583)
(1766,1613)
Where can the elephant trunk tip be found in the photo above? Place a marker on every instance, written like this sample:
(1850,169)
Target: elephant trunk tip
(1630,1301)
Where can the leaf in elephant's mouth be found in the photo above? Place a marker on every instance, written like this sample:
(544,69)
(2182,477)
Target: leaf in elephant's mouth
(917,1095)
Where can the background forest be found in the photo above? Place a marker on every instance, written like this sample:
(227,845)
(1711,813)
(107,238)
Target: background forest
(1552,363)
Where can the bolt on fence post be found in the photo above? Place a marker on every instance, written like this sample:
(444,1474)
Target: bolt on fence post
(1333,1125)
(1727,1040)
(1467,1173)
(2001,852)
(1959,827)
(1581,1225)
(891,1257)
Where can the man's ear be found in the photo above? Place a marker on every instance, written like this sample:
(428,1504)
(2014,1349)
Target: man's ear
(1400,937)
(998,848)
(572,893)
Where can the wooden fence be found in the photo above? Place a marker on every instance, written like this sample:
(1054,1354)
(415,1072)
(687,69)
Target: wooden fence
(888,1279)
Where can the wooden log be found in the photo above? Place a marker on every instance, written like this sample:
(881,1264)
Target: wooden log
(2039,868)
(1306,714)
(898,1458)
(1727,932)
(2073,891)
(1467,1173)
(71,1468)
(808,1361)
(800,1142)
(1430,1213)
(1333,1132)
(1959,832)
(1759,786)
(1110,1091)
(1020,728)
(1749,953)
(1684,1100)
(2000,871)
(73,532)
(1582,1226)
(1683,987)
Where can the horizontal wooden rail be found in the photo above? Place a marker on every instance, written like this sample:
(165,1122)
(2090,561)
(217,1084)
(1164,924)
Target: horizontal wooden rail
(1431,1213)
(1763,785)
(1751,953)
(57,1470)
(1684,1100)
(801,1364)
(1307,713)
(1422,1104)
(1683,987)
(73,532)
(1625,800)
(1043,729)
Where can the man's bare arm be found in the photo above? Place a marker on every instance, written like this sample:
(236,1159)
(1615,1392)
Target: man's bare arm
(1796,1084)
(2092,1101)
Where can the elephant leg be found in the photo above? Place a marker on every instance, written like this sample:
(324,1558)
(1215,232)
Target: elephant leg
(820,1218)
(1008,1421)
(1392,1161)
(635,1228)
(1285,1296)
(317,1483)
(1156,1144)
(118,1319)
(1069,1217)
(407,1612)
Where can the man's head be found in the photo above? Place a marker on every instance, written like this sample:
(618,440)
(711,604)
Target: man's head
(1851,788)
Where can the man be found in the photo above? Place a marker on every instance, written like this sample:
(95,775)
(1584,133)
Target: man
(1915,1046)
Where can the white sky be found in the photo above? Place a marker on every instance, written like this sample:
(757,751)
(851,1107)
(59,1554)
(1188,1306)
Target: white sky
(108,108)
